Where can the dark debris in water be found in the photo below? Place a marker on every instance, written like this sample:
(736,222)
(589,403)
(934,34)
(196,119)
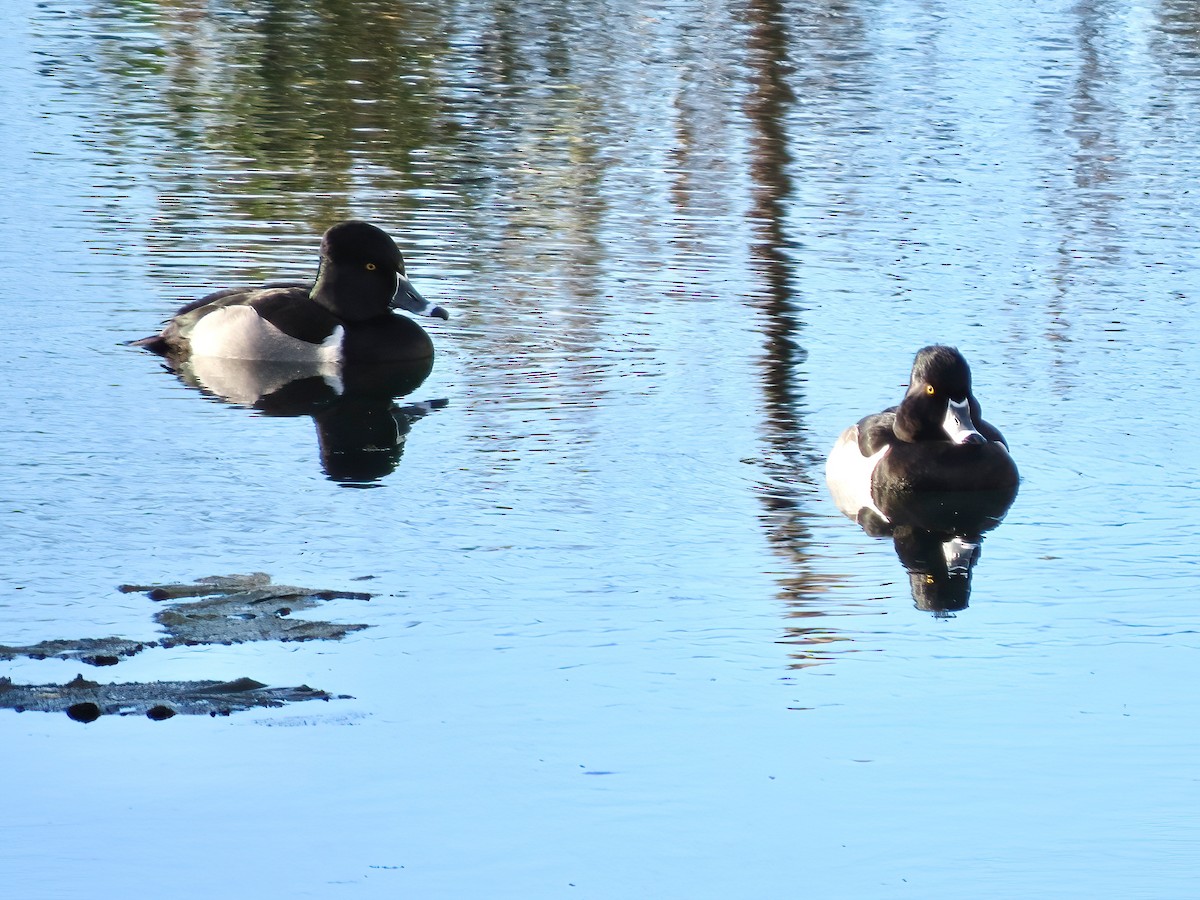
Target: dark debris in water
(233,609)
(222,609)
(86,701)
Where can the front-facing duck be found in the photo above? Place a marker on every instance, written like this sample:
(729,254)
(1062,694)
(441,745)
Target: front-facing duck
(935,441)
(344,316)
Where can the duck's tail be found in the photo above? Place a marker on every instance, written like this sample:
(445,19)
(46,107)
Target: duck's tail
(156,343)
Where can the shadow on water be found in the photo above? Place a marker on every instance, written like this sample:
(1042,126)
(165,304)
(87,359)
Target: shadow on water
(361,431)
(222,609)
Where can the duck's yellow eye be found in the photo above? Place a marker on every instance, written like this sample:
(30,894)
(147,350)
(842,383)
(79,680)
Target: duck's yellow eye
(929,389)
(370,267)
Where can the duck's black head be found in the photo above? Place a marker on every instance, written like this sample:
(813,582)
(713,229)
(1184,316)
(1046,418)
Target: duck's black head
(939,405)
(362,275)
(358,242)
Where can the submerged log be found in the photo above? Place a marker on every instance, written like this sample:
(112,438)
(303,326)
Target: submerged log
(235,609)
(86,701)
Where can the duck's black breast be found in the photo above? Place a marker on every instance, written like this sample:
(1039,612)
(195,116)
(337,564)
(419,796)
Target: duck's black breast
(943,466)
(934,465)
(386,338)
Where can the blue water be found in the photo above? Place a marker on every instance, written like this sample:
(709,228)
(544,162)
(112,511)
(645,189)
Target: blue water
(622,642)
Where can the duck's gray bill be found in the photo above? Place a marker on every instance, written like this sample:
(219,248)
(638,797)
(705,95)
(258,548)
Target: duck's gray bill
(407,297)
(958,423)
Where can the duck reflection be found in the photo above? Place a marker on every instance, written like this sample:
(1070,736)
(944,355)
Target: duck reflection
(361,431)
(937,536)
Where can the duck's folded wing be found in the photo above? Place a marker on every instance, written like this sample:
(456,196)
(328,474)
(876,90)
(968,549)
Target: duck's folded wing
(876,432)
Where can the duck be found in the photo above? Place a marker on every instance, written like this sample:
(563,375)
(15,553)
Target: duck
(343,316)
(934,442)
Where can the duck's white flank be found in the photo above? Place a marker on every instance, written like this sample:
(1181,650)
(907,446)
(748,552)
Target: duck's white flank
(239,332)
(848,474)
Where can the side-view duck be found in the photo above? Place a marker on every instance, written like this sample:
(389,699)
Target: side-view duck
(344,316)
(934,441)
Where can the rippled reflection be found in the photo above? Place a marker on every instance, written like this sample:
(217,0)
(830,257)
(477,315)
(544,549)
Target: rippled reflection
(614,185)
(361,431)
(790,460)
(938,538)
(689,237)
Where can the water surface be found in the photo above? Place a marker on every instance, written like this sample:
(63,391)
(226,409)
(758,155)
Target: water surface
(621,640)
